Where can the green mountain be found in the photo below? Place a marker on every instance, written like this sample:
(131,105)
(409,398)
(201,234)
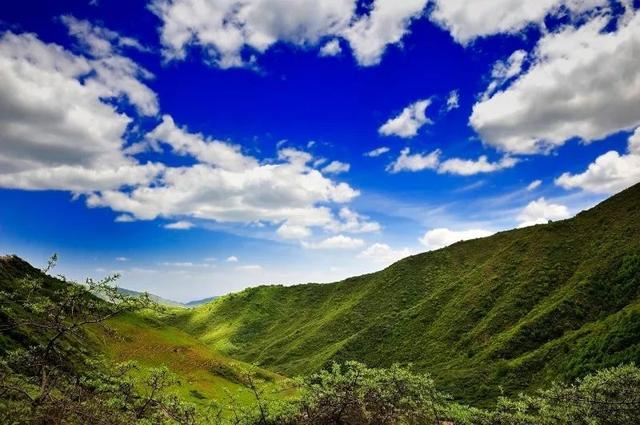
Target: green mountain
(204,375)
(515,310)
(196,303)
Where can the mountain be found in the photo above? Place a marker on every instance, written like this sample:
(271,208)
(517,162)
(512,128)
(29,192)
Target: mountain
(204,375)
(515,310)
(155,298)
(196,303)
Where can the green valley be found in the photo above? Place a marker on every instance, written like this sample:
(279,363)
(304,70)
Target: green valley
(516,310)
(510,313)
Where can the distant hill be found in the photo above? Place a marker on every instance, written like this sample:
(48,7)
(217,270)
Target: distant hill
(167,302)
(156,298)
(517,309)
(196,303)
(205,375)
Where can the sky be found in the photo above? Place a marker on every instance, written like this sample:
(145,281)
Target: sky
(198,147)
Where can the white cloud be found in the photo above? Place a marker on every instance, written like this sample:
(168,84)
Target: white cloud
(540,211)
(386,23)
(214,152)
(331,48)
(351,222)
(225,29)
(337,242)
(383,253)
(124,218)
(250,268)
(534,185)
(228,186)
(122,259)
(609,173)
(503,71)
(468,167)
(408,122)
(467,20)
(377,152)
(290,231)
(582,82)
(183,264)
(100,41)
(232,259)
(59,130)
(179,225)
(431,161)
(453,100)
(336,167)
(441,237)
(416,162)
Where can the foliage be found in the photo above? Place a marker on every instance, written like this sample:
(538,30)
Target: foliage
(353,394)
(517,310)
(53,379)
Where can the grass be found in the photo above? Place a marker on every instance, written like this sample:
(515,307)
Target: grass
(515,310)
(204,375)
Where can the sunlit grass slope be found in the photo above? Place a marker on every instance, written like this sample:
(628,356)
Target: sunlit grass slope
(516,310)
(204,375)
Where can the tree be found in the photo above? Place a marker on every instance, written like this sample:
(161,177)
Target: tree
(52,377)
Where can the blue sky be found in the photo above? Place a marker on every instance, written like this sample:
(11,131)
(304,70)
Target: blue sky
(201,146)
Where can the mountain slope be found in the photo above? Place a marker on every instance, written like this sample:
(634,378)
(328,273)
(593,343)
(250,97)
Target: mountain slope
(516,309)
(204,375)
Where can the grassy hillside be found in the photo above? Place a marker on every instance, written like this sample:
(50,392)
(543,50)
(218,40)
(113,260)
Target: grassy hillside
(517,310)
(204,375)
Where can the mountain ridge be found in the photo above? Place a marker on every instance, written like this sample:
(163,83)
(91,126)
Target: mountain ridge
(515,308)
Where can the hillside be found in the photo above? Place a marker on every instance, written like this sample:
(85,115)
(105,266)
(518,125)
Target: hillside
(517,309)
(204,375)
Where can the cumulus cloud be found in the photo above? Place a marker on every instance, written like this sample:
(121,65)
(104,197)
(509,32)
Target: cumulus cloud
(453,100)
(100,41)
(386,23)
(336,167)
(227,186)
(351,222)
(338,242)
(468,167)
(534,185)
(232,259)
(377,152)
(59,128)
(582,82)
(609,173)
(541,211)
(408,122)
(458,166)
(179,225)
(291,231)
(331,48)
(231,31)
(504,71)
(206,150)
(441,237)
(384,254)
(414,162)
(469,20)
(250,268)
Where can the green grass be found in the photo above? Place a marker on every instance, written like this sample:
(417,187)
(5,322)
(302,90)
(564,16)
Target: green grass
(513,311)
(516,310)
(204,375)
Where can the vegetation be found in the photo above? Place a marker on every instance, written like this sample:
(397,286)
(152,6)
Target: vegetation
(514,311)
(500,323)
(47,375)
